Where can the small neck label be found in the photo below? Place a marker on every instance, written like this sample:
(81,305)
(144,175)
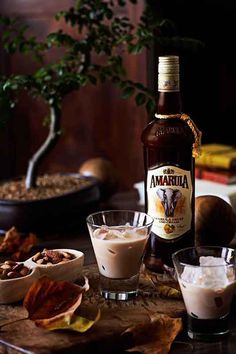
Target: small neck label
(169,191)
(168,82)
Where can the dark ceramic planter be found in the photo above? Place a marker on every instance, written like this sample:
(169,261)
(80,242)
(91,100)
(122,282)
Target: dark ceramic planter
(51,215)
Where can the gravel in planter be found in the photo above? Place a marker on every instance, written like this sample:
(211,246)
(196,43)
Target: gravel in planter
(47,186)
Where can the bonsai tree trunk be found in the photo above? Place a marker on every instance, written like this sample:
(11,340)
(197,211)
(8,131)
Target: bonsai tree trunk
(54,132)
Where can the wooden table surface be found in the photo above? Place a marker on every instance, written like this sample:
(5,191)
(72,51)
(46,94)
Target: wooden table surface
(79,239)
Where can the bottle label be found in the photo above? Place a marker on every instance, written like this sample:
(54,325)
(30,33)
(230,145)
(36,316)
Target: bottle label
(169,192)
(168,82)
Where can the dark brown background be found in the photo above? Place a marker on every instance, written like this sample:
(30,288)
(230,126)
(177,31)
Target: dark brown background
(208,76)
(96,121)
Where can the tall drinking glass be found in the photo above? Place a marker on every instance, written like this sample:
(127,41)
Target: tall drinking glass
(207,280)
(119,238)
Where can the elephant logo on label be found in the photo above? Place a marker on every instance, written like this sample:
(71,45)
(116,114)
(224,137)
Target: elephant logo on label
(169,198)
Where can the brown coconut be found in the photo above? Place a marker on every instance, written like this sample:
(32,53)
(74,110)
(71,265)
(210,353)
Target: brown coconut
(215,221)
(104,171)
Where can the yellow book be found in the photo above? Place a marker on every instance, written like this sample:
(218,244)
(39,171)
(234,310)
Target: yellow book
(217,156)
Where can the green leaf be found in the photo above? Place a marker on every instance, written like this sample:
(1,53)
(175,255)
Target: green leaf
(139,86)
(127,92)
(123,84)
(151,106)
(109,14)
(47,78)
(121,2)
(92,79)
(6,35)
(140,99)
(115,79)
(135,48)
(14,86)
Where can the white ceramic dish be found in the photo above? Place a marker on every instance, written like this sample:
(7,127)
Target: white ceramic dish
(13,290)
(69,271)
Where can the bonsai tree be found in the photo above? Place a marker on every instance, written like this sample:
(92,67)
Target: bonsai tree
(100,33)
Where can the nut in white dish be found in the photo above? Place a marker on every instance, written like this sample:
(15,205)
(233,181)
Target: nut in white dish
(58,264)
(14,283)
(17,277)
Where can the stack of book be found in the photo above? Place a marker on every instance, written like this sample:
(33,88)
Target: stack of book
(217,163)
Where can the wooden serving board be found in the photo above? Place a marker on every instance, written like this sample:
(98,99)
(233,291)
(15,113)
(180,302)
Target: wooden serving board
(116,316)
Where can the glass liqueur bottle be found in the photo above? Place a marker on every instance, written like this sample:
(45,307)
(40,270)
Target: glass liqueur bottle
(170,141)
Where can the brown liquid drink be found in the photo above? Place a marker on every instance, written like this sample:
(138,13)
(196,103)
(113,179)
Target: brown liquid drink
(169,171)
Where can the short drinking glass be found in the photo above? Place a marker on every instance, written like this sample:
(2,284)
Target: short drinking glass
(207,280)
(119,238)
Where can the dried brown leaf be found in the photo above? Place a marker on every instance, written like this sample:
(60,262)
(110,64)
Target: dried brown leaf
(50,302)
(164,284)
(17,245)
(75,323)
(10,242)
(155,337)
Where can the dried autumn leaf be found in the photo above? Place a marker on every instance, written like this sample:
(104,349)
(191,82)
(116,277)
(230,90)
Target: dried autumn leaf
(52,305)
(25,247)
(155,337)
(76,323)
(10,241)
(165,285)
(17,245)
(167,291)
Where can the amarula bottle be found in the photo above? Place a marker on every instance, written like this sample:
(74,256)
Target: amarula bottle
(170,141)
